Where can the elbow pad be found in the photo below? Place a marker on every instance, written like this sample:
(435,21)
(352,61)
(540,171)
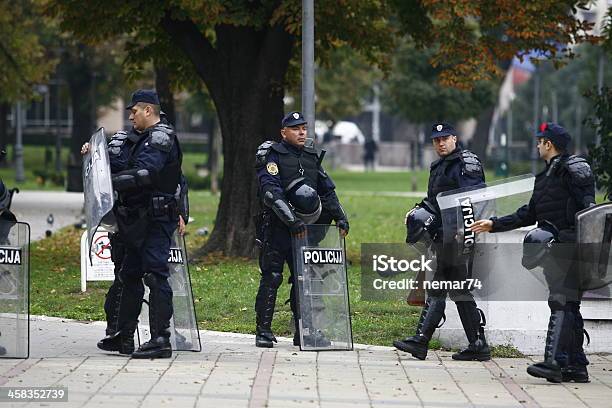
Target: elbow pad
(132,179)
(281,207)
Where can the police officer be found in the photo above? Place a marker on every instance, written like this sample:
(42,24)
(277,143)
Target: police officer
(119,332)
(146,168)
(563,188)
(294,191)
(455,168)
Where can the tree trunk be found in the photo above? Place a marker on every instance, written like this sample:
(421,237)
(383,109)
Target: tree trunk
(480,141)
(245,77)
(164,92)
(80,79)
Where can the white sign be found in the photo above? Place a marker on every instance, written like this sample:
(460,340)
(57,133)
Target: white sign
(101,267)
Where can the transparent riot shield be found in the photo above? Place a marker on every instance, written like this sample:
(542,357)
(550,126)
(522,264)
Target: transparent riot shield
(183,325)
(594,237)
(491,263)
(323,302)
(98,187)
(14,289)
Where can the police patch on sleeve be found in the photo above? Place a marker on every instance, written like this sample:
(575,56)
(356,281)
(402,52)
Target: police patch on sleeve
(272,168)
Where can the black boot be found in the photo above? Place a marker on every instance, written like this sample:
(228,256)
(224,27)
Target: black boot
(431,316)
(549,368)
(122,308)
(264,338)
(121,341)
(264,313)
(576,370)
(160,313)
(473,322)
(158,347)
(577,374)
(316,339)
(181,341)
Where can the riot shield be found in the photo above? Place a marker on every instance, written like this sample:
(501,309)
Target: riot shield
(98,187)
(492,262)
(323,302)
(594,237)
(184,334)
(14,289)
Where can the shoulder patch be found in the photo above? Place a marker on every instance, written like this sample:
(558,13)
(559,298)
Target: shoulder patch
(272,168)
(471,163)
(579,170)
(261,157)
(161,140)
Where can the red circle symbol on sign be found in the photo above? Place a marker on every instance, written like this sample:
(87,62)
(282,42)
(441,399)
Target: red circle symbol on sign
(102,247)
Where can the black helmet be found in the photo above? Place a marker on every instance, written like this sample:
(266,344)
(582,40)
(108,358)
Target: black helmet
(537,244)
(419,220)
(305,201)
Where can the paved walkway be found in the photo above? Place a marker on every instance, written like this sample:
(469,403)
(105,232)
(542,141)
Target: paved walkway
(34,207)
(231,372)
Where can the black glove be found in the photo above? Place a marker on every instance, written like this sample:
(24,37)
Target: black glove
(343,225)
(298,227)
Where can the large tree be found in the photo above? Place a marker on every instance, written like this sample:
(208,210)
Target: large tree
(241,50)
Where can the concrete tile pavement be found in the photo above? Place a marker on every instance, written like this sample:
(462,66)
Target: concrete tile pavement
(231,372)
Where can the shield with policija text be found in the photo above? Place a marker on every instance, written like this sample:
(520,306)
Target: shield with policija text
(14,289)
(98,187)
(184,334)
(322,287)
(594,238)
(493,262)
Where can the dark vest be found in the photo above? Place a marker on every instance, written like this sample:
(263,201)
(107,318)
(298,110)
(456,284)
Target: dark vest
(170,176)
(440,176)
(551,195)
(294,165)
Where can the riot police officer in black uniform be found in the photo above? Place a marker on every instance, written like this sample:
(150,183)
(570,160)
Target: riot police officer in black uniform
(294,191)
(119,332)
(456,168)
(563,188)
(147,216)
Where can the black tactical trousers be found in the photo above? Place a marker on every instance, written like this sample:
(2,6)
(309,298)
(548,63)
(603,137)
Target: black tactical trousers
(276,251)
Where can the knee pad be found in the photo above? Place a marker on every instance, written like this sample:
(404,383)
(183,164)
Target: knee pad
(271,260)
(157,282)
(461,296)
(556,303)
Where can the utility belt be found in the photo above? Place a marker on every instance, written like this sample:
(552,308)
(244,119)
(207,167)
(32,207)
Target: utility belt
(159,208)
(134,221)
